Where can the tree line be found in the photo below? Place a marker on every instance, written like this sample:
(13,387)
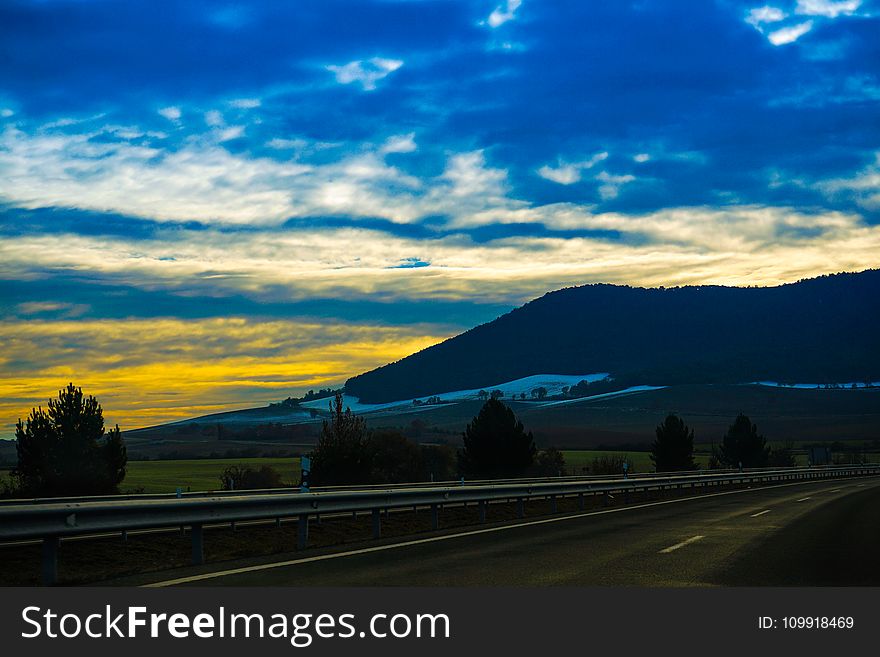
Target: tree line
(65,450)
(741,447)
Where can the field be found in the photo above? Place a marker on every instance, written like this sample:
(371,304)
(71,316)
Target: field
(195,474)
(204,474)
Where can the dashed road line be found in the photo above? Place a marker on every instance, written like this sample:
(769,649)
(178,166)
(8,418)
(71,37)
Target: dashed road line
(759,513)
(673,548)
(804,499)
(336,555)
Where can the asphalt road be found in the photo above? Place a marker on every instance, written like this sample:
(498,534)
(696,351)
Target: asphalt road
(803,534)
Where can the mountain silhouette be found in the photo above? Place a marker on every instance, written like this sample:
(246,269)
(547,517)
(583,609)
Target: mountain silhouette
(824,329)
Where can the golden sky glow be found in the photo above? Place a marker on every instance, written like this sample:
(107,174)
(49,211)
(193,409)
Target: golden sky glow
(146,372)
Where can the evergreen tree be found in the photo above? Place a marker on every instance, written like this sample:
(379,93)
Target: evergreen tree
(743,445)
(341,455)
(674,448)
(64,450)
(496,444)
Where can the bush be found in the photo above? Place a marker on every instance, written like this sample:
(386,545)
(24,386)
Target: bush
(610,464)
(549,462)
(393,459)
(243,477)
(782,457)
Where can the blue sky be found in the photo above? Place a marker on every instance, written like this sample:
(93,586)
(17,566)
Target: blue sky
(391,172)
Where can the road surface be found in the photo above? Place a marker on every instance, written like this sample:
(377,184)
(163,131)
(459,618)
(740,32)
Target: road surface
(797,534)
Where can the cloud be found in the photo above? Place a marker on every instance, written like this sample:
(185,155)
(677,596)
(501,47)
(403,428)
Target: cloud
(230,132)
(58,308)
(366,72)
(564,174)
(863,187)
(789,34)
(503,13)
(827,8)
(611,184)
(245,103)
(399,144)
(171,113)
(159,370)
(214,118)
(760,17)
(641,157)
(766,14)
(568,173)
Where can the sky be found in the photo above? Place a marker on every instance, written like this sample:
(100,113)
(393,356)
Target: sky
(209,205)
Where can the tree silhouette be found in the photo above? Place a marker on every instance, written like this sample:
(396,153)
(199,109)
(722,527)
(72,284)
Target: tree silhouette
(743,445)
(394,459)
(64,450)
(496,444)
(673,450)
(341,455)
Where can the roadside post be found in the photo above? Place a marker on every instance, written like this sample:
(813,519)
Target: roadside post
(305,473)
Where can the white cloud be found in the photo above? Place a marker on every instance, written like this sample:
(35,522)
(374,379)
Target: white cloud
(766,14)
(789,34)
(214,118)
(761,17)
(641,157)
(399,144)
(611,184)
(285,144)
(366,72)
(6,112)
(230,132)
(565,174)
(171,113)
(503,13)
(733,245)
(245,103)
(568,173)
(827,8)
(864,186)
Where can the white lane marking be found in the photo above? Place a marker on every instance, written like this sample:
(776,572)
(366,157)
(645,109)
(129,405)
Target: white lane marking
(759,513)
(833,490)
(673,548)
(859,485)
(804,499)
(446,537)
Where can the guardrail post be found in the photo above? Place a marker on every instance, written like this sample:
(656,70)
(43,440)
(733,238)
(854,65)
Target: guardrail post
(50,560)
(302,531)
(520,508)
(581,502)
(377,523)
(483,504)
(606,500)
(198,545)
(435,517)
(553,506)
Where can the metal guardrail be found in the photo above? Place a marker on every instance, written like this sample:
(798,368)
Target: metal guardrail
(322,489)
(50,521)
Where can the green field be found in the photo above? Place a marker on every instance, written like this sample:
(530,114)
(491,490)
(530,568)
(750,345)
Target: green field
(576,460)
(204,474)
(195,474)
